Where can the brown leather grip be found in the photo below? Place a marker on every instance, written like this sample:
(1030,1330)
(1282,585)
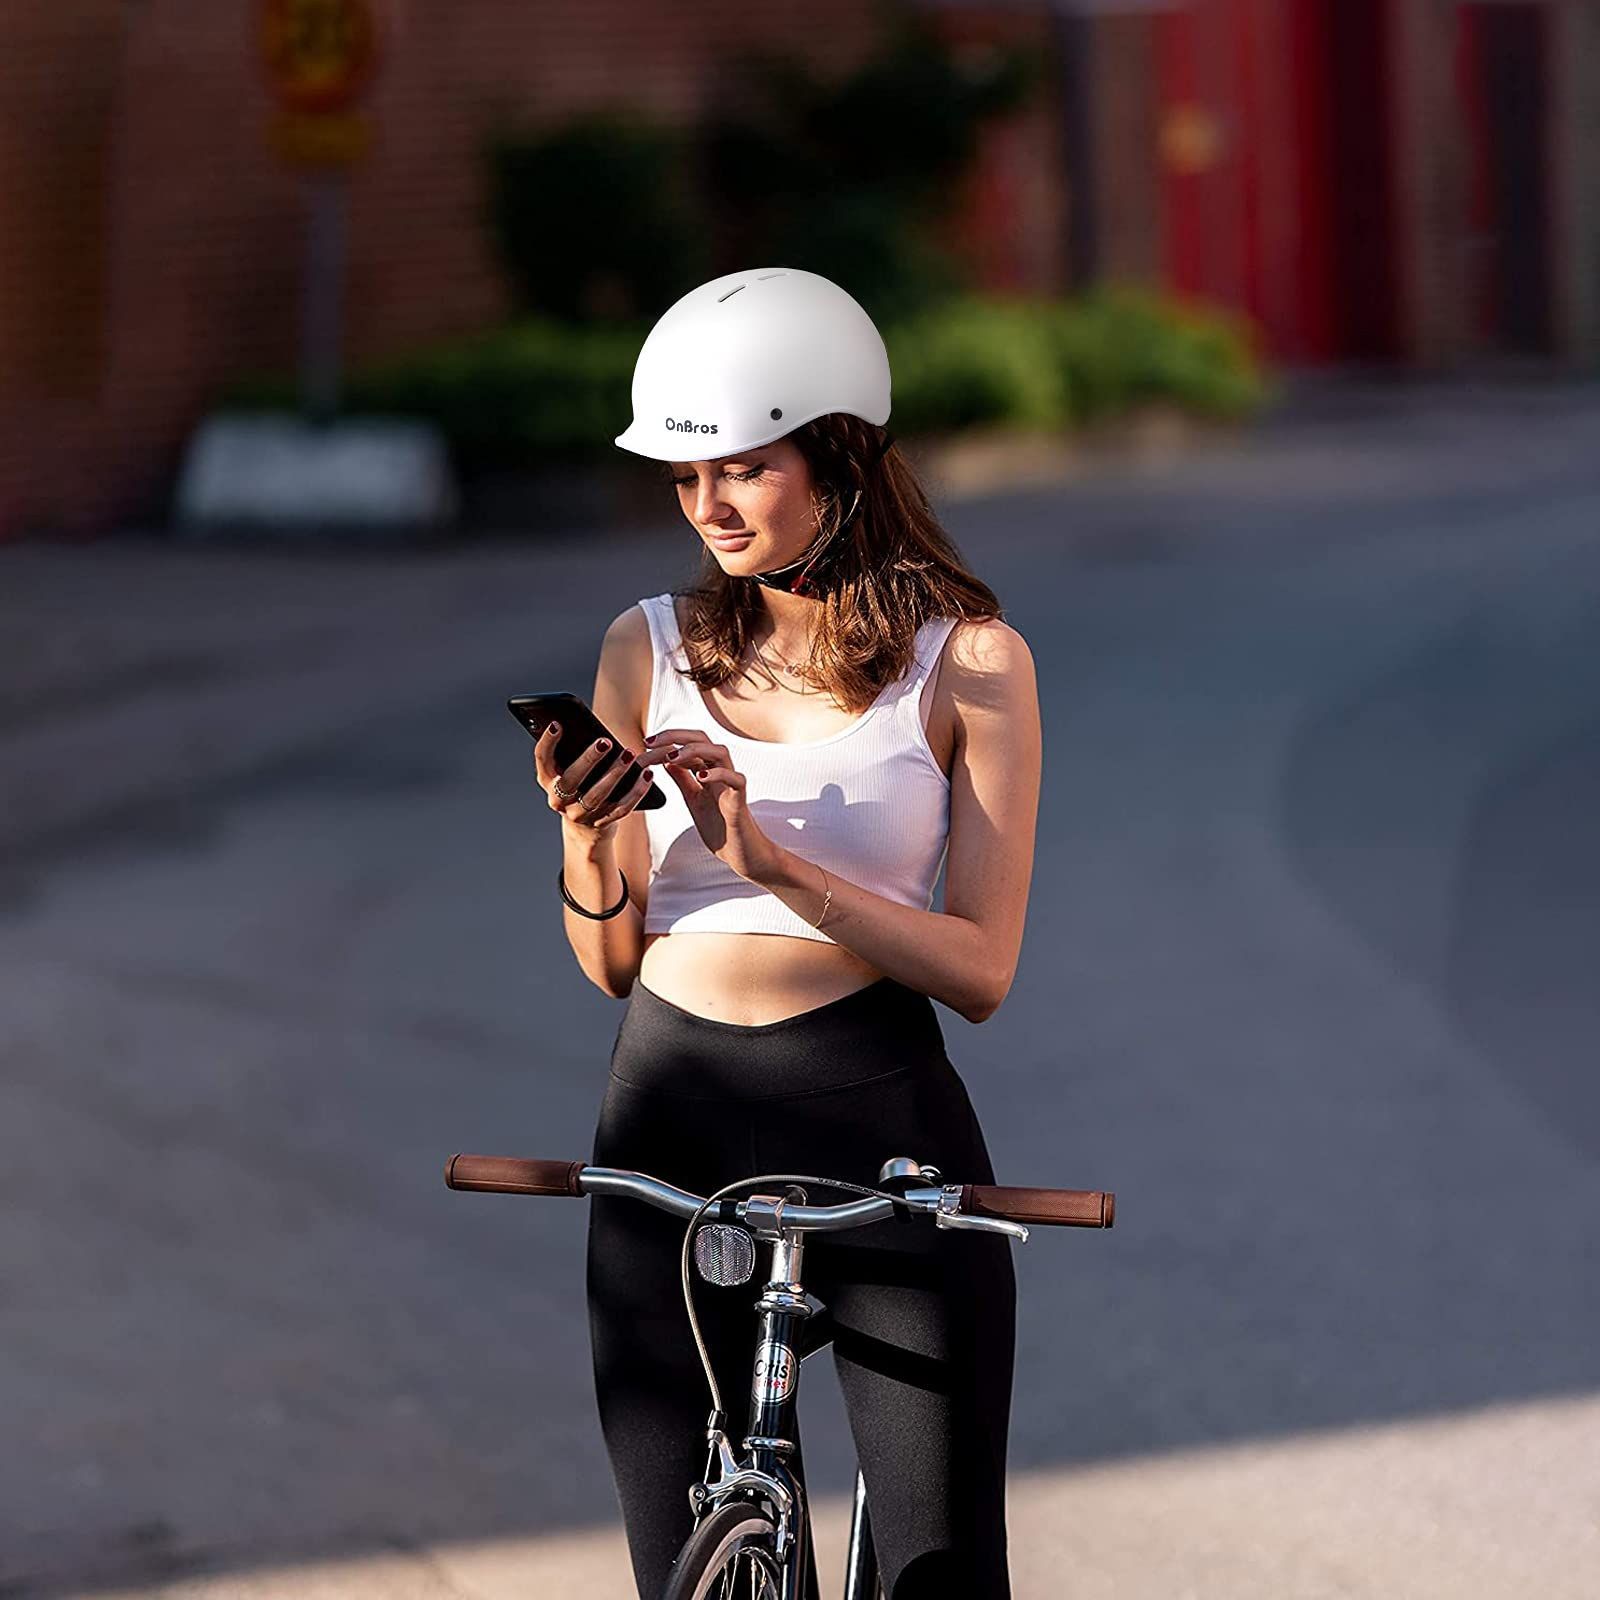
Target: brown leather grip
(1073,1208)
(513,1175)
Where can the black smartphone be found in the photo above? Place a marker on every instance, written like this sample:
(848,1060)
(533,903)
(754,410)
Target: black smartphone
(580,727)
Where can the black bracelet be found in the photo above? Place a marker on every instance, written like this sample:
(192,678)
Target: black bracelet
(594,916)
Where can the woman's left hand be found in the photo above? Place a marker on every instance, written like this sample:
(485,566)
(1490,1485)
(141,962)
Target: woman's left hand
(714,792)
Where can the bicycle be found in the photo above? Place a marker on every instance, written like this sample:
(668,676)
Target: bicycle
(750,1511)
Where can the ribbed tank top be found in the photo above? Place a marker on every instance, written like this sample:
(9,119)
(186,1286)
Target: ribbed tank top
(869,802)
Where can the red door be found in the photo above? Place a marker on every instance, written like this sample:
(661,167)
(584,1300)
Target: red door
(1266,107)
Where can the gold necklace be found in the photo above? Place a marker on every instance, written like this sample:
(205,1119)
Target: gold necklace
(794,669)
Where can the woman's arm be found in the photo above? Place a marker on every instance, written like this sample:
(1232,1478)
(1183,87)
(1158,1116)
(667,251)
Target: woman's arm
(610,952)
(966,955)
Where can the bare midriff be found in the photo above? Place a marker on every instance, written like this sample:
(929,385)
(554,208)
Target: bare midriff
(749,977)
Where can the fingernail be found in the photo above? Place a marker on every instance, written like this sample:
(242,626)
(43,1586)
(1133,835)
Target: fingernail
(602,744)
(555,727)
(650,738)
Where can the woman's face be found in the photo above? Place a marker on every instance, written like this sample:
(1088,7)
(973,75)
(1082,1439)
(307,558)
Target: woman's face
(753,510)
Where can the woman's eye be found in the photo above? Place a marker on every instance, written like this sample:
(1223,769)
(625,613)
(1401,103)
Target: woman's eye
(738,477)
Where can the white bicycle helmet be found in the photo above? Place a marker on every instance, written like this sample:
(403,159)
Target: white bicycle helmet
(749,357)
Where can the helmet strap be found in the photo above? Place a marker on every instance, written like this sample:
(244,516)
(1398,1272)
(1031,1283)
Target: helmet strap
(794,577)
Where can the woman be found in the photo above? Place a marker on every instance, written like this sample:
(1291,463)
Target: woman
(838,708)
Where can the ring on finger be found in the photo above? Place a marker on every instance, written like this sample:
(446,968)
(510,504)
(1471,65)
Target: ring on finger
(563,794)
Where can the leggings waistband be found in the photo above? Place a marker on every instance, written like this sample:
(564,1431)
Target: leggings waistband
(872,1032)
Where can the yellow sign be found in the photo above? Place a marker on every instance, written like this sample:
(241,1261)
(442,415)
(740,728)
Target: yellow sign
(316,139)
(319,54)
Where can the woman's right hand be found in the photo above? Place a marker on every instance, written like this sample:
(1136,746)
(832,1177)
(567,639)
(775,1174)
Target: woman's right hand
(598,808)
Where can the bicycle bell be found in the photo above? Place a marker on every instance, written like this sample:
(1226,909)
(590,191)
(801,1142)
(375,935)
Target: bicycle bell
(724,1254)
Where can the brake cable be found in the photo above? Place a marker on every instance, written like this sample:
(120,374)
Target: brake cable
(694,1222)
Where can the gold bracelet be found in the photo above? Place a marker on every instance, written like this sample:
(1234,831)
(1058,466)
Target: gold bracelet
(827,899)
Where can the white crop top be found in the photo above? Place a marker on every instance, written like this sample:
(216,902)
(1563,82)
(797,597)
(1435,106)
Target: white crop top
(869,802)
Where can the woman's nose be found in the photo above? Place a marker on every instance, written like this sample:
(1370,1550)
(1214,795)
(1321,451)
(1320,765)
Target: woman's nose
(708,502)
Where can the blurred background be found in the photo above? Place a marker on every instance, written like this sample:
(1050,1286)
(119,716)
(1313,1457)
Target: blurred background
(1248,348)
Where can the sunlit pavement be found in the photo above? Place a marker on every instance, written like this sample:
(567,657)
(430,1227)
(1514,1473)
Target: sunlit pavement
(1498,1504)
(1308,982)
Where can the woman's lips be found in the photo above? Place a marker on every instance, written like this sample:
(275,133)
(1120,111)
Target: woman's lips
(731,541)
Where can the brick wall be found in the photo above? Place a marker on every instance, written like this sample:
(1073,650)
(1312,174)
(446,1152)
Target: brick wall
(1441,252)
(1576,119)
(150,242)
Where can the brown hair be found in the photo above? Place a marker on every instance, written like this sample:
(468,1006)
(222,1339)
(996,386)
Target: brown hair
(890,571)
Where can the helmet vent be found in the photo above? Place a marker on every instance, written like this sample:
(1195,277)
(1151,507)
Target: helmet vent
(733,291)
(765,275)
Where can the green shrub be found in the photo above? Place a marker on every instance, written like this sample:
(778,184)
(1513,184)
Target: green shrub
(536,388)
(540,389)
(595,220)
(850,176)
(973,362)
(1121,346)
(1043,363)
(610,216)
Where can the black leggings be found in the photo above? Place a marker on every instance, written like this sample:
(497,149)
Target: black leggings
(922,1321)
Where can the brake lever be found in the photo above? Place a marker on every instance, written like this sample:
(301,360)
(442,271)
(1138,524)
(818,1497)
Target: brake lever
(950,1215)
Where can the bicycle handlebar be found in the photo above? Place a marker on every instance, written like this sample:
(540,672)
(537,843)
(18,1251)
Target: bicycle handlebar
(1072,1208)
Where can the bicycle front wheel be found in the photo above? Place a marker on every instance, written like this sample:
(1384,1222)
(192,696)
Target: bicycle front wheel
(731,1555)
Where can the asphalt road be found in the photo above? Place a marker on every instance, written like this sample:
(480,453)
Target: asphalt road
(1308,980)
